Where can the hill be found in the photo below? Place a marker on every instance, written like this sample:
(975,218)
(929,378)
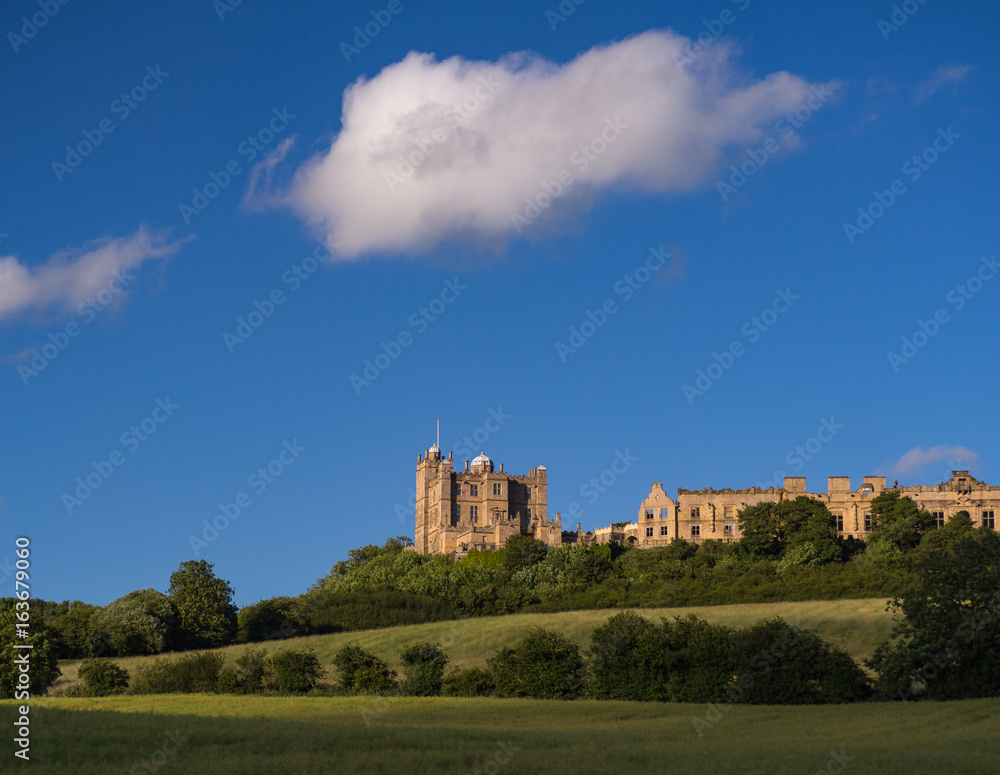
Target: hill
(855,625)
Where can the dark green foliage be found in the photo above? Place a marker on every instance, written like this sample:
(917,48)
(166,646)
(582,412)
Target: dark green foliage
(333,611)
(472,682)
(250,672)
(274,619)
(139,623)
(613,658)
(542,665)
(522,551)
(44,669)
(294,670)
(947,645)
(362,672)
(102,677)
(777,664)
(803,526)
(898,521)
(207,615)
(423,669)
(191,673)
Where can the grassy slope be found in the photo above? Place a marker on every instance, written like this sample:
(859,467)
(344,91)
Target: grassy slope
(301,736)
(855,625)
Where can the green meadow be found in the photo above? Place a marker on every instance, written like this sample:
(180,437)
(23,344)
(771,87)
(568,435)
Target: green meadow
(855,625)
(229,735)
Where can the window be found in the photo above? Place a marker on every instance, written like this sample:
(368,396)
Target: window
(696,512)
(728,511)
(988,519)
(938,518)
(649,532)
(497,488)
(456,488)
(649,513)
(528,513)
(458,511)
(868,521)
(474,513)
(528,496)
(840,521)
(663,530)
(695,530)
(727,530)
(663,513)
(473,489)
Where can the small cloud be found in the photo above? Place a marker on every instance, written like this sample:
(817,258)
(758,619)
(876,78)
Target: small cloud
(432,152)
(70,276)
(944,75)
(919,458)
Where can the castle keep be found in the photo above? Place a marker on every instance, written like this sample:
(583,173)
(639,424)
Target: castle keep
(480,508)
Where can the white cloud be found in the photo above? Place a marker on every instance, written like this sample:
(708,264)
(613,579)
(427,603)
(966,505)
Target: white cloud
(944,75)
(69,277)
(494,132)
(918,458)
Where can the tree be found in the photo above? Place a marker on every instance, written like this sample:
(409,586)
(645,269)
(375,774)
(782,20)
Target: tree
(615,670)
(771,529)
(102,677)
(42,668)
(141,622)
(423,669)
(274,619)
(294,670)
(947,645)
(204,605)
(523,551)
(362,672)
(898,521)
(544,665)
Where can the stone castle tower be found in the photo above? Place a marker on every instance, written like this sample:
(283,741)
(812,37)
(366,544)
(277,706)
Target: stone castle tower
(478,508)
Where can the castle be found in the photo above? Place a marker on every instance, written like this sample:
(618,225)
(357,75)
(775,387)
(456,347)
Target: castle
(480,508)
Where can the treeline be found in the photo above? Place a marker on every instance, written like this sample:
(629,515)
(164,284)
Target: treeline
(629,658)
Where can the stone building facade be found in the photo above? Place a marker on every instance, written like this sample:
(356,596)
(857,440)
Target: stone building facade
(697,515)
(480,507)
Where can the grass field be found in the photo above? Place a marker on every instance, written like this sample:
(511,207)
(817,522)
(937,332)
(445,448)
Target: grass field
(855,625)
(306,736)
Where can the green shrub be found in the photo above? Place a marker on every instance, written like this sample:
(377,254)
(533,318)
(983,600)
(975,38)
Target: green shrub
(362,672)
(101,677)
(294,670)
(251,670)
(274,619)
(190,674)
(473,682)
(423,669)
(227,683)
(543,665)
(614,669)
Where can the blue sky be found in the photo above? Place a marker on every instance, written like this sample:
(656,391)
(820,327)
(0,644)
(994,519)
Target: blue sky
(223,177)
